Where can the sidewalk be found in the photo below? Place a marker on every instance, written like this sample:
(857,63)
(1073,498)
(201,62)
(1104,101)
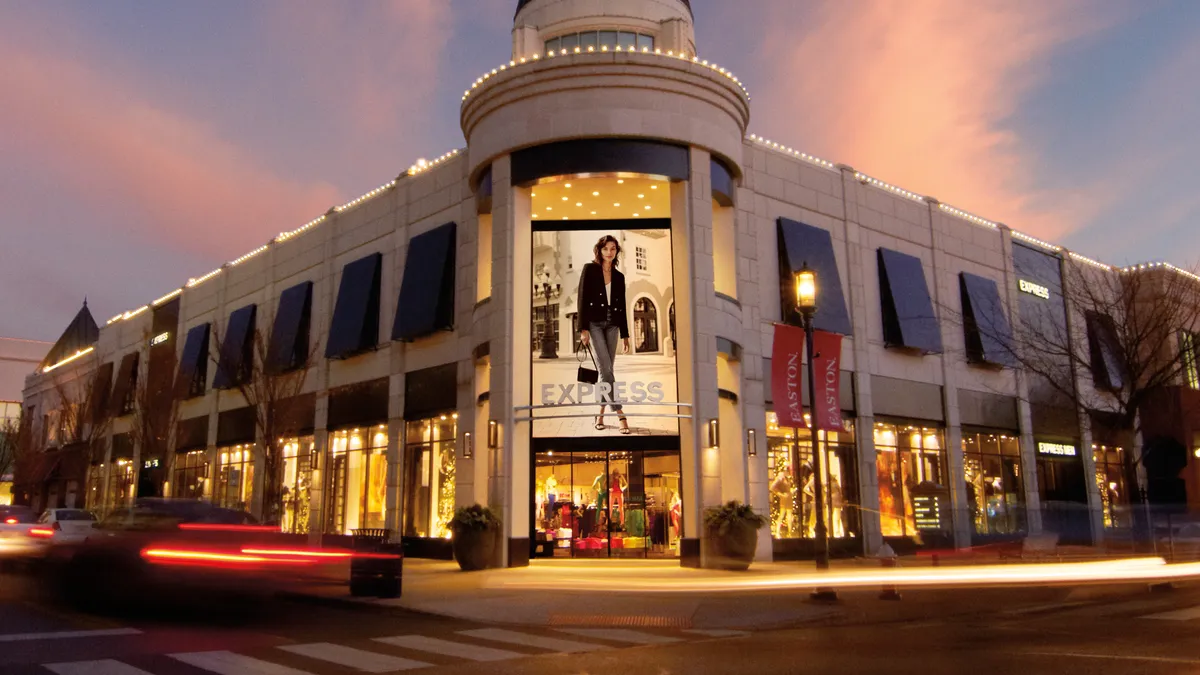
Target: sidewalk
(769,595)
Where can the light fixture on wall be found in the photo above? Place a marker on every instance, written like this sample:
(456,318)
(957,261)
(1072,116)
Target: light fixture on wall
(751,443)
(468,445)
(493,434)
(714,434)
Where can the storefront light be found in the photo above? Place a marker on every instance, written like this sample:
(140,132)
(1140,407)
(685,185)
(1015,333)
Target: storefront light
(493,434)
(714,434)
(751,443)
(468,445)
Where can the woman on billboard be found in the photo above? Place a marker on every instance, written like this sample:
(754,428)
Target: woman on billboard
(602,317)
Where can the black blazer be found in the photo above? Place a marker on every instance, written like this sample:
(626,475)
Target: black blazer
(593,304)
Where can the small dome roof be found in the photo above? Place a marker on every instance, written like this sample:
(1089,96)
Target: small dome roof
(521,4)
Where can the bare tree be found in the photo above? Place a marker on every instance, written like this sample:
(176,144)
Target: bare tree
(155,405)
(271,383)
(10,430)
(1113,350)
(84,416)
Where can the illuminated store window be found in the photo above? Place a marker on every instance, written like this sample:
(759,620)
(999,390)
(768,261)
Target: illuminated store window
(191,470)
(357,479)
(1187,348)
(94,490)
(235,477)
(995,498)
(605,40)
(1110,479)
(911,469)
(793,514)
(121,483)
(429,468)
(295,484)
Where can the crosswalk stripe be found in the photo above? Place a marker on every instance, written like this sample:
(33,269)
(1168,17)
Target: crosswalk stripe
(61,634)
(101,667)
(621,635)
(1177,615)
(527,640)
(716,632)
(448,648)
(228,663)
(358,659)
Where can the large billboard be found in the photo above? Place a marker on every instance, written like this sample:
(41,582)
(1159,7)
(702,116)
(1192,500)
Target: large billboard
(604,301)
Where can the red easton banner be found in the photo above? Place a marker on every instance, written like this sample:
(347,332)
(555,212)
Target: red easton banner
(786,366)
(827,366)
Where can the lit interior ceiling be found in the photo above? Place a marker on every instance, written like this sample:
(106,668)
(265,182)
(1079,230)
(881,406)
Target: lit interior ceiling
(603,198)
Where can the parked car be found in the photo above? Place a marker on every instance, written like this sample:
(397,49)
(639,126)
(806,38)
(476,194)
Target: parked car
(15,541)
(67,526)
(181,552)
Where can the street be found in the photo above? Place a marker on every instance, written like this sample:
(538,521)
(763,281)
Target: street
(1043,631)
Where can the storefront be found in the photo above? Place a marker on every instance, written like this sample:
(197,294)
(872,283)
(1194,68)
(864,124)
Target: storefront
(356,479)
(190,474)
(792,494)
(430,467)
(995,495)
(1110,481)
(914,493)
(1062,489)
(234,485)
(295,488)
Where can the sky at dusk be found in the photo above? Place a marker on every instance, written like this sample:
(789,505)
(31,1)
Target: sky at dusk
(144,143)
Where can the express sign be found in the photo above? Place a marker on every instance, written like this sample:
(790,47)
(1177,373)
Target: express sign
(1034,289)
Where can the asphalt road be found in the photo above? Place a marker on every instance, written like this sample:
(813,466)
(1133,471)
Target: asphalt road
(929,633)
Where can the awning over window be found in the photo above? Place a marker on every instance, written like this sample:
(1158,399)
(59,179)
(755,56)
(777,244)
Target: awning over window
(193,365)
(800,244)
(237,349)
(355,326)
(985,326)
(426,303)
(125,385)
(1108,370)
(101,390)
(908,316)
(289,336)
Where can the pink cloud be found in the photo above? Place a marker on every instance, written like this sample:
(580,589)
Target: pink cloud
(918,94)
(107,142)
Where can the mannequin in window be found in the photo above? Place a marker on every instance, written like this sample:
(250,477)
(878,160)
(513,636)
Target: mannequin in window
(617,487)
(600,486)
(602,316)
(783,490)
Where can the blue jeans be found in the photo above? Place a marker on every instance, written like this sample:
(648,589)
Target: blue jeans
(605,337)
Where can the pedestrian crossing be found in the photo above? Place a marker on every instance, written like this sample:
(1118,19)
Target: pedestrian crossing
(393,654)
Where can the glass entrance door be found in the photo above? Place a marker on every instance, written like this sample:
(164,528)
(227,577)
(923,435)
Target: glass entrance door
(618,504)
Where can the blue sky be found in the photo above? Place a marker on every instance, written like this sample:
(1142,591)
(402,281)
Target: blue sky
(145,143)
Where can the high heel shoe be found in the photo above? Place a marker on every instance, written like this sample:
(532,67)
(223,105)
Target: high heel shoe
(624,425)
(599,422)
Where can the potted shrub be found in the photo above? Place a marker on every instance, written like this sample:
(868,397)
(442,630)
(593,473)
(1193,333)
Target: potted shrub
(731,535)
(474,528)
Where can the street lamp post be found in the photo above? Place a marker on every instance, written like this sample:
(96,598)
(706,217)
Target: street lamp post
(806,305)
(549,334)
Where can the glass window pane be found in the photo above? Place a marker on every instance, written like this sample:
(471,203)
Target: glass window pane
(589,39)
(553,45)
(645,42)
(608,38)
(627,40)
(570,42)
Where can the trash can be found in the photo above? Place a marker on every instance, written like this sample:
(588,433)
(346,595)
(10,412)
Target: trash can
(377,572)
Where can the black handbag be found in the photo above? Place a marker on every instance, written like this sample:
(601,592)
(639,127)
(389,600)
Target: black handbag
(587,375)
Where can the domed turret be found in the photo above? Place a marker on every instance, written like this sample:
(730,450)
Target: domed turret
(541,25)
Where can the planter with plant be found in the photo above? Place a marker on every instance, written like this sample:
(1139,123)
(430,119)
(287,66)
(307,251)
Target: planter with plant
(731,536)
(474,528)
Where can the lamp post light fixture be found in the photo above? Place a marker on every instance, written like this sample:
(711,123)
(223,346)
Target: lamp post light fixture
(806,305)
(550,332)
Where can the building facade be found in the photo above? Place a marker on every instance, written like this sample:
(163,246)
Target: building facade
(436,330)
(18,358)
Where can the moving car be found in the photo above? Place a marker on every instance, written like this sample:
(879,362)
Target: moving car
(66,526)
(15,541)
(181,552)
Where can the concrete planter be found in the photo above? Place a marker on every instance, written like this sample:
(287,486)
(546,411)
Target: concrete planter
(474,549)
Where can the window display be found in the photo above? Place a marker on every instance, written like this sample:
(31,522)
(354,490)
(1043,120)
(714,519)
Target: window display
(95,488)
(607,504)
(295,484)
(995,498)
(793,514)
(121,481)
(430,465)
(1110,479)
(911,469)
(191,470)
(235,477)
(357,479)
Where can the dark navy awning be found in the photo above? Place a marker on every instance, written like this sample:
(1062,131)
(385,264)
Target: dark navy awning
(289,347)
(124,386)
(908,317)
(237,349)
(355,326)
(985,325)
(193,365)
(801,244)
(101,389)
(426,303)
(1104,345)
